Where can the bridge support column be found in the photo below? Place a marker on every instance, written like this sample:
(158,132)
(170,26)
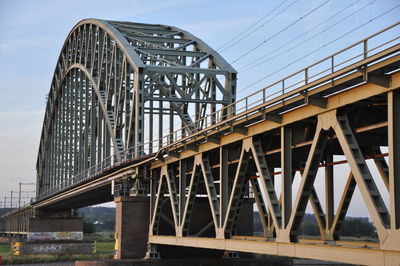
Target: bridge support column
(131,226)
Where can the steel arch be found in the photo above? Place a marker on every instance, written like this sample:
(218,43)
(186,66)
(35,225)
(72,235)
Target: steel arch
(121,87)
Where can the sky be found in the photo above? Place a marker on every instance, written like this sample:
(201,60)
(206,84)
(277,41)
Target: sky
(264,40)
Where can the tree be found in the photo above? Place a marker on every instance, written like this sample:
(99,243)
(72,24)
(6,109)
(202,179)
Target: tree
(358,227)
(88,227)
(309,228)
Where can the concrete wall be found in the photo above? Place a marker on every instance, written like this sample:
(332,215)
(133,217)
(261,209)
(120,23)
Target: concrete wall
(55,225)
(27,248)
(49,229)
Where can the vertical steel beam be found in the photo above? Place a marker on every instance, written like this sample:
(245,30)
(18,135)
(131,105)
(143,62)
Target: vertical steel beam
(86,154)
(81,133)
(57,137)
(182,188)
(160,124)
(70,126)
(224,181)
(139,118)
(92,128)
(329,192)
(99,133)
(151,127)
(171,119)
(394,157)
(287,174)
(76,119)
(64,138)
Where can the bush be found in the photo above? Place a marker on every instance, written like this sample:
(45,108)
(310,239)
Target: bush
(88,227)
(358,227)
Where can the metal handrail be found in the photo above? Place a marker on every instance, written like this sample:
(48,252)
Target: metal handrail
(219,113)
(220,118)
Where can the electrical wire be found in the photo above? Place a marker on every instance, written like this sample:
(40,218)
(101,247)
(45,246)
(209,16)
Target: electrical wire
(279,32)
(221,48)
(316,50)
(254,63)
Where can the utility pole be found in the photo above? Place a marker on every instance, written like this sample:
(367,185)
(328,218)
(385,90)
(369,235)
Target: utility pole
(19,207)
(9,227)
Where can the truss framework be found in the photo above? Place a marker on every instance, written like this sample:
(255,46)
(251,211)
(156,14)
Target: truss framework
(242,168)
(115,85)
(114,77)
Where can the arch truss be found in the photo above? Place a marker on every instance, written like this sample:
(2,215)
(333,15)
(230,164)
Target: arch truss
(122,88)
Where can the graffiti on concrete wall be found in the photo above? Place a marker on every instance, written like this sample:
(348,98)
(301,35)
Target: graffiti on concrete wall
(49,236)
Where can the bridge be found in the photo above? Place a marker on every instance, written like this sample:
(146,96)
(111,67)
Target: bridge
(146,115)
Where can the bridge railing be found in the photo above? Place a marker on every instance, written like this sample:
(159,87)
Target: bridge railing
(310,77)
(301,82)
(98,169)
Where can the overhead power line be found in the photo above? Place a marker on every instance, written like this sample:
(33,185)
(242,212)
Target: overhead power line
(316,50)
(279,32)
(221,48)
(254,63)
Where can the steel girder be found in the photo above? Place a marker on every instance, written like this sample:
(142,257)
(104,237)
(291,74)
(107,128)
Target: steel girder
(354,115)
(118,83)
(244,166)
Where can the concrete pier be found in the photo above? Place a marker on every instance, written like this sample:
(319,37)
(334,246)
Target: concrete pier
(131,226)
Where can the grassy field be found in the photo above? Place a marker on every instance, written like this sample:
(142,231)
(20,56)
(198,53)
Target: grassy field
(104,250)
(4,249)
(105,247)
(99,236)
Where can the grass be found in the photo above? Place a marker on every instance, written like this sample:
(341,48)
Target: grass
(105,247)
(51,258)
(4,249)
(99,236)
(104,250)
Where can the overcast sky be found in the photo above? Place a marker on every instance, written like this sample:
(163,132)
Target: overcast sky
(32,34)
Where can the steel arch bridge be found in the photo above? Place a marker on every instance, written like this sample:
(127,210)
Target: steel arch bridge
(118,90)
(126,89)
